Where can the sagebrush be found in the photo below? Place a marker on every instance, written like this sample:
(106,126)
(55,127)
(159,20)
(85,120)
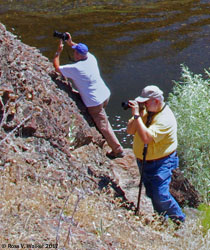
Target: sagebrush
(190,101)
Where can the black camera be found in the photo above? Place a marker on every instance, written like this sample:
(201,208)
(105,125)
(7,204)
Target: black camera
(61,35)
(125,105)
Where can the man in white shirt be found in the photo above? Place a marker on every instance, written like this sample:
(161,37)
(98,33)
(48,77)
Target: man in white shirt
(86,77)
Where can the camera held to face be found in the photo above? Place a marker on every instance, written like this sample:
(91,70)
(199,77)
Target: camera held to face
(125,105)
(61,35)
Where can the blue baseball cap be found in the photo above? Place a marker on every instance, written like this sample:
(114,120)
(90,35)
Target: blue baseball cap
(81,48)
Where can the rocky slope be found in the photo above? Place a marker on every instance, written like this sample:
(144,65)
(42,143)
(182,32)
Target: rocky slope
(47,135)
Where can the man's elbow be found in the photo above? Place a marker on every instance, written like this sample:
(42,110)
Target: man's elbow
(147,139)
(130,130)
(56,68)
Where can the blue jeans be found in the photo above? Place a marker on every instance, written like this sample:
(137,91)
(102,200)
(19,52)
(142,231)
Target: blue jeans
(156,178)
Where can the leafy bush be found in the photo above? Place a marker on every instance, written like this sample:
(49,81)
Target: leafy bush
(190,101)
(205,218)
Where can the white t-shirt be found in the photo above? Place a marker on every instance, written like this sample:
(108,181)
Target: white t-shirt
(87,79)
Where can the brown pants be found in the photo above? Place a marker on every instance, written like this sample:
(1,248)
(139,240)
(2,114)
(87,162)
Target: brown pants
(100,118)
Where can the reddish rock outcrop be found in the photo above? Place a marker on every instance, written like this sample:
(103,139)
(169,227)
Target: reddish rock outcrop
(36,101)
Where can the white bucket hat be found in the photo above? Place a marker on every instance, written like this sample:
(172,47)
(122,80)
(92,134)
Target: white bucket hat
(149,92)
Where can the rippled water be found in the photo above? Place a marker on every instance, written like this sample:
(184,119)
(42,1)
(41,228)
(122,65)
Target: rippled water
(136,42)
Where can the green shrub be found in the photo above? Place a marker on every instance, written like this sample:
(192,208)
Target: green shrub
(190,101)
(205,217)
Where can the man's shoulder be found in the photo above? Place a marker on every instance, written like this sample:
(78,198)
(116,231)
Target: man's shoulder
(165,117)
(169,111)
(91,56)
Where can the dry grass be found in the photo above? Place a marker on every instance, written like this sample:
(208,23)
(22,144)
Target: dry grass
(44,212)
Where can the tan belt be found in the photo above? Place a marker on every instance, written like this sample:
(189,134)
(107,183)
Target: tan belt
(161,158)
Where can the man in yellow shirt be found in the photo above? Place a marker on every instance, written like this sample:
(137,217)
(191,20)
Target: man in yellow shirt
(155,126)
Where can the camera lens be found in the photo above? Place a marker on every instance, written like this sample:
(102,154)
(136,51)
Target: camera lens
(65,37)
(61,35)
(125,105)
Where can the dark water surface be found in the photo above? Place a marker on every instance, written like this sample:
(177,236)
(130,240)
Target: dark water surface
(136,42)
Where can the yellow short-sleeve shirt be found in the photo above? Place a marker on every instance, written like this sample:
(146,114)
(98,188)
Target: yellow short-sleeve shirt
(164,132)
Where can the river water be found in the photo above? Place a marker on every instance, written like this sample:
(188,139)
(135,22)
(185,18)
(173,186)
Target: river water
(136,42)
